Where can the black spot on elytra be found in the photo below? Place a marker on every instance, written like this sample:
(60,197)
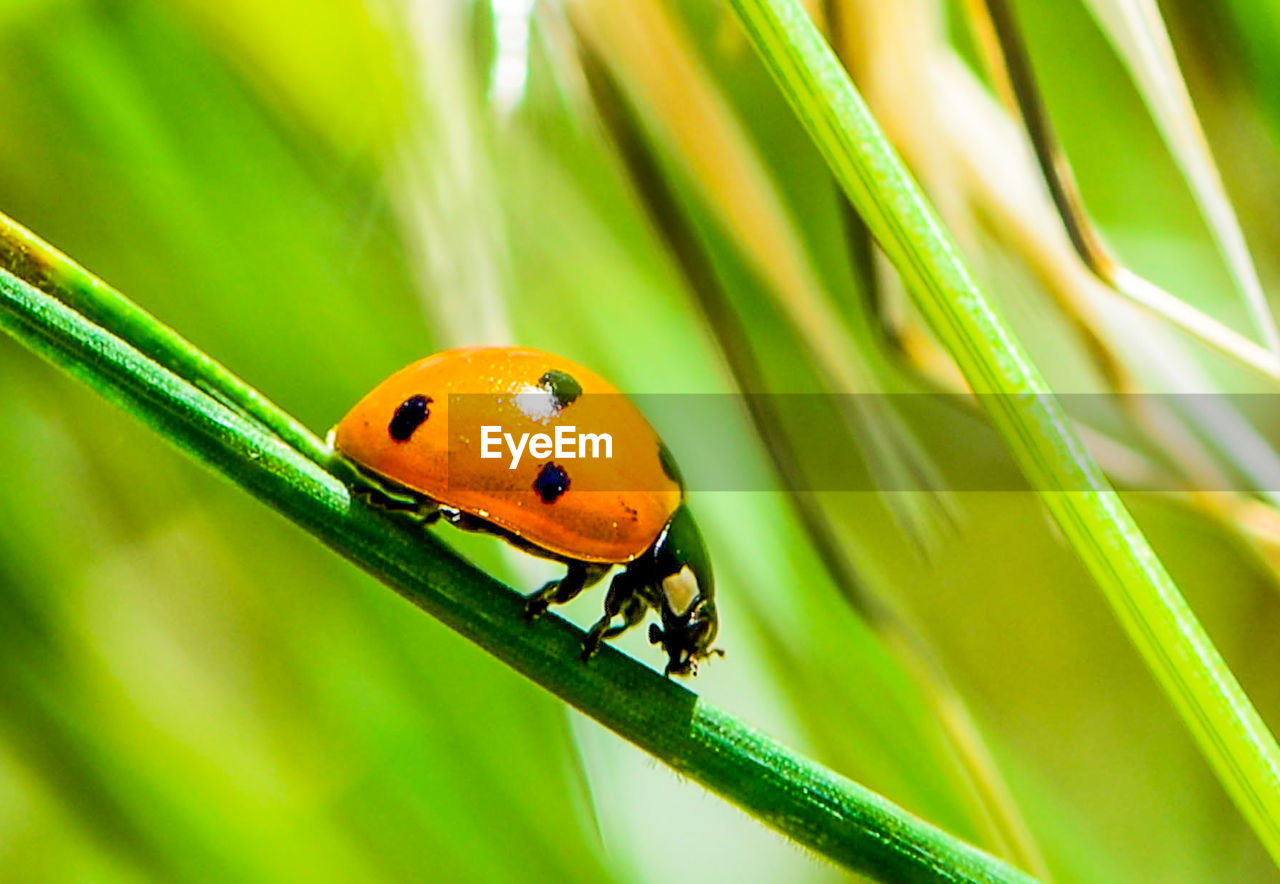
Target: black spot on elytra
(552,481)
(412,413)
(669,465)
(562,387)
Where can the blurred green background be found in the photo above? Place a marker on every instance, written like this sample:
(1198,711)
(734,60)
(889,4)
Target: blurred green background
(317,193)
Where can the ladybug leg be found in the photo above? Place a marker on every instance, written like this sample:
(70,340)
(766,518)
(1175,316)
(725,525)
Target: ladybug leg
(383,501)
(591,575)
(632,612)
(378,493)
(416,508)
(579,576)
(622,599)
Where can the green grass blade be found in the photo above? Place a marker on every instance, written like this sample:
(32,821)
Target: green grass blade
(814,806)
(49,270)
(1092,518)
(995,805)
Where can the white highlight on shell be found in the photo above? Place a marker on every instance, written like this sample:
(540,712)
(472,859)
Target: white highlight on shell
(536,403)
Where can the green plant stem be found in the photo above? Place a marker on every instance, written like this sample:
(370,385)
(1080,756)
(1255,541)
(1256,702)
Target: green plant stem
(989,796)
(835,817)
(1094,521)
(33,260)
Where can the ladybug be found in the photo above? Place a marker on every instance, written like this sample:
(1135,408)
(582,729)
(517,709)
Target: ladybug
(466,435)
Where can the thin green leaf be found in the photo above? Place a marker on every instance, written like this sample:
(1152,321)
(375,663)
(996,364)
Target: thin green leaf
(32,259)
(1021,406)
(983,780)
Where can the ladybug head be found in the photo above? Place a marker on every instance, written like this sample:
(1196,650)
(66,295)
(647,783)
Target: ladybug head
(686,592)
(687,637)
